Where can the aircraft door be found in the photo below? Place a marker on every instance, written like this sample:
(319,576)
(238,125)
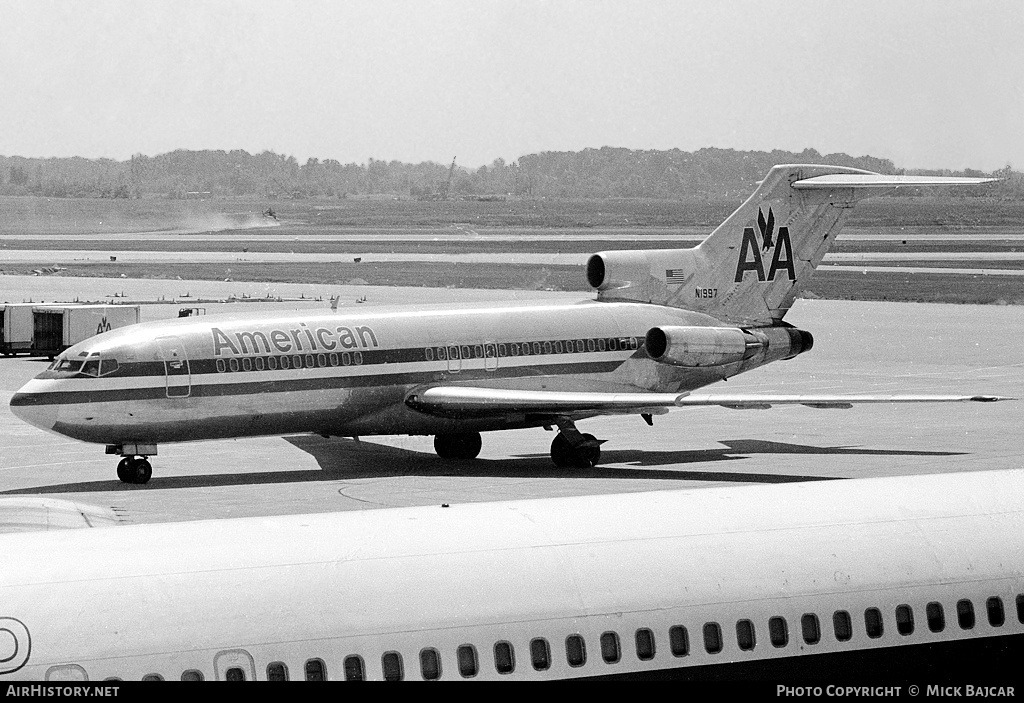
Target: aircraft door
(234,665)
(454,359)
(179,378)
(490,356)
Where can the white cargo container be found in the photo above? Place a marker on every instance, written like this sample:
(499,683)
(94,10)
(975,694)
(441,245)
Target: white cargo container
(16,327)
(57,327)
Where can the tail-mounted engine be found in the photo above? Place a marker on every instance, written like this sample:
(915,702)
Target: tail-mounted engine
(717,346)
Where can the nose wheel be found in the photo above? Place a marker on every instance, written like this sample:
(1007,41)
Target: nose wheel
(134,469)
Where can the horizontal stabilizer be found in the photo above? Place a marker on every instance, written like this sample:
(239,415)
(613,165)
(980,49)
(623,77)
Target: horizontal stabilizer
(875,180)
(464,401)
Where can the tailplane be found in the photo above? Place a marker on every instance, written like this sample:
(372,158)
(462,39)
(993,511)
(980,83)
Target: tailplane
(751,268)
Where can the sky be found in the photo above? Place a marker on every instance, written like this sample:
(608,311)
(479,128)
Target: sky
(925,83)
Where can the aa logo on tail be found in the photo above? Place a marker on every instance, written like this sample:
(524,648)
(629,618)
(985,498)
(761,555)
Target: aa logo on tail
(753,253)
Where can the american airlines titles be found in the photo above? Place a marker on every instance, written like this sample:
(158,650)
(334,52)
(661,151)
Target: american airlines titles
(301,339)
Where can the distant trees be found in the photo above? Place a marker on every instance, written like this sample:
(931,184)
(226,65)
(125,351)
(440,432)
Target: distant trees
(607,172)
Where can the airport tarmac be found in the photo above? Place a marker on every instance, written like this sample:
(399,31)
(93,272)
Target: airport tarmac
(860,347)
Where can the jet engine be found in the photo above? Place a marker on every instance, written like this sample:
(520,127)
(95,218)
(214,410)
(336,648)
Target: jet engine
(717,346)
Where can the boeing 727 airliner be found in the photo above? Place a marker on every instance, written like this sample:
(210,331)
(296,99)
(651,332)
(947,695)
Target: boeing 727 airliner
(900,579)
(665,323)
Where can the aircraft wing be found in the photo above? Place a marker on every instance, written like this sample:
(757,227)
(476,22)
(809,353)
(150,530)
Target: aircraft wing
(466,401)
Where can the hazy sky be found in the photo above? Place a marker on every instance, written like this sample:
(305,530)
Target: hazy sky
(925,83)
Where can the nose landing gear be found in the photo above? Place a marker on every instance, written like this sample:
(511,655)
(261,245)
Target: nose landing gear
(134,469)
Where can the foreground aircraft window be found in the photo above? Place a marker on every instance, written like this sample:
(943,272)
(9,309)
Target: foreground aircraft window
(610,647)
(334,357)
(536,347)
(873,622)
(158,677)
(297,361)
(842,623)
(277,671)
(71,365)
(602,344)
(357,357)
(91,367)
(478,352)
(1020,609)
(192,675)
(221,366)
(233,364)
(286,362)
(540,654)
(346,359)
(321,360)
(745,635)
(644,644)
(442,354)
(467,353)
(965,614)
(591,346)
(392,664)
(547,347)
(810,628)
(272,363)
(468,667)
(235,673)
(502,350)
(353,668)
(904,620)
(558,347)
(108,366)
(428,353)
(580,346)
(526,349)
(613,344)
(430,664)
(315,670)
(310,361)
(575,650)
(936,618)
(778,631)
(246,364)
(504,658)
(678,641)
(996,616)
(261,363)
(514,349)
(712,637)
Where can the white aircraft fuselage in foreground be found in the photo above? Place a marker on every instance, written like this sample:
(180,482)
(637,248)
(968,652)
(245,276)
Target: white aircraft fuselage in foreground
(665,322)
(899,580)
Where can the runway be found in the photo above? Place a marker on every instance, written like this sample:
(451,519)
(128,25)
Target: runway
(859,347)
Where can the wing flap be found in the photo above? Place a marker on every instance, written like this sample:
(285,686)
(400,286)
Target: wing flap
(467,401)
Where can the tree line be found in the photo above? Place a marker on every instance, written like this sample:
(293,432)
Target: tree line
(591,173)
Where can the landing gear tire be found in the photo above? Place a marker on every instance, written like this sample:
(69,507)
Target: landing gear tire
(567,456)
(465,445)
(134,470)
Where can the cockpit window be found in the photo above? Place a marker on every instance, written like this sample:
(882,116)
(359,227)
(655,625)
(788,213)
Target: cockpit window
(91,367)
(68,365)
(109,366)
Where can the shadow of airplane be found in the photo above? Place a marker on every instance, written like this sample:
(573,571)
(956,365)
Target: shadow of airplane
(345,459)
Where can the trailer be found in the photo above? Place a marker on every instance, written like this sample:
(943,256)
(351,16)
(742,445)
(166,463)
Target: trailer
(57,327)
(16,328)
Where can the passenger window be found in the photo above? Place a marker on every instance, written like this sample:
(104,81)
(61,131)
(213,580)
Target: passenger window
(644,644)
(547,347)
(1020,609)
(315,670)
(246,364)
(277,671)
(504,658)
(310,361)
(590,345)
(429,353)
(811,628)
(778,631)
(158,677)
(260,363)
(904,620)
(354,668)
(233,364)
(536,347)
(430,664)
(466,654)
(996,616)
(234,673)
(540,654)
(936,617)
(357,357)
(842,623)
(392,665)
(334,357)
(873,622)
(467,353)
(678,641)
(502,350)
(745,635)
(602,344)
(965,614)
(558,347)
(575,650)
(610,648)
(712,638)
(192,675)
(286,362)
(221,366)
(321,360)
(442,354)
(272,363)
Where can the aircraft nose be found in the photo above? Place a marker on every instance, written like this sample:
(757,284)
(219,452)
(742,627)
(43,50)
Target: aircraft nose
(34,408)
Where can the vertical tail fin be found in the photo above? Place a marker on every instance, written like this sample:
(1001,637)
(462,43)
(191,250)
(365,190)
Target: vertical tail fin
(751,268)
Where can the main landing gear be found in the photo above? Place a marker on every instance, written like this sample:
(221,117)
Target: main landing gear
(570,450)
(134,469)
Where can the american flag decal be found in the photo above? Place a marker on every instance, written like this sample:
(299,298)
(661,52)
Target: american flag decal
(675,276)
